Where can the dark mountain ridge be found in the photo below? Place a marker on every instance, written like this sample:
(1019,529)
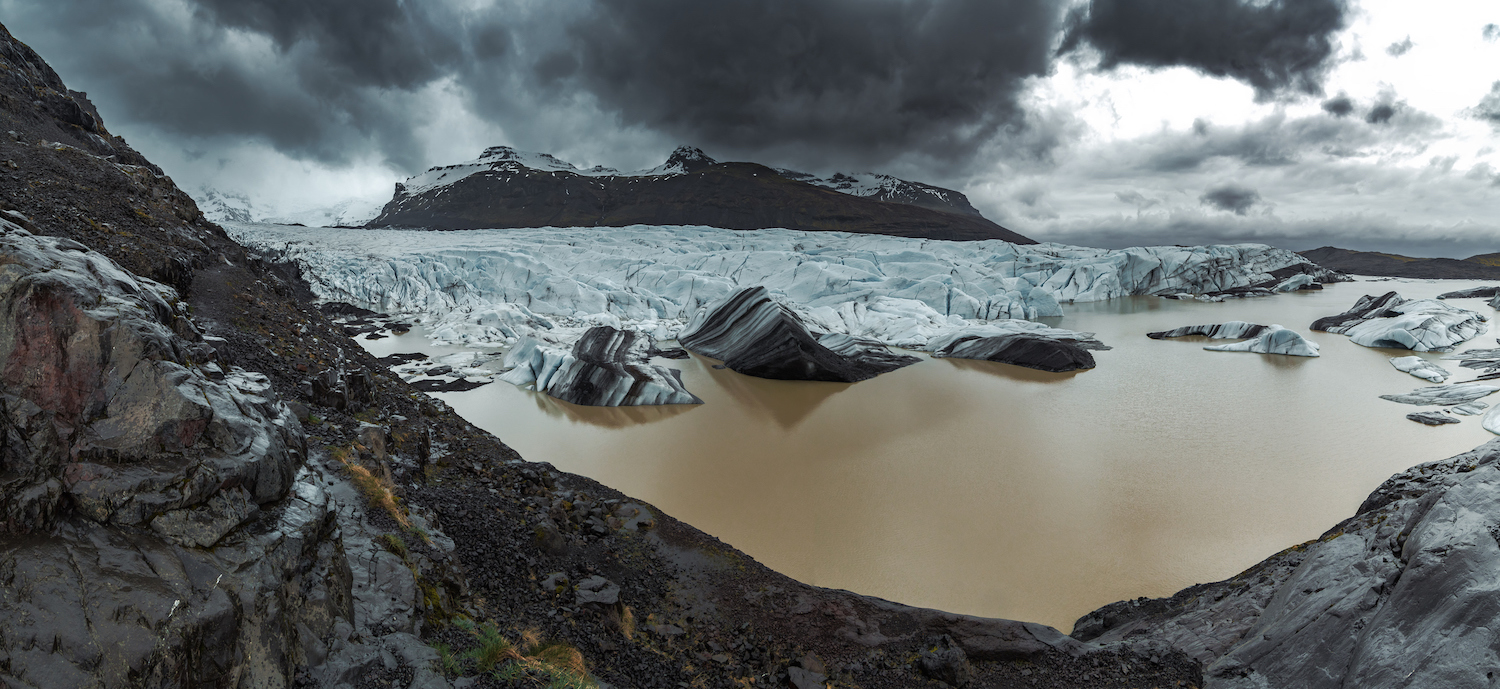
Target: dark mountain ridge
(1482,267)
(506,189)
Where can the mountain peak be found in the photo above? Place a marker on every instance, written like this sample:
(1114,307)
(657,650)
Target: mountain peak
(688,159)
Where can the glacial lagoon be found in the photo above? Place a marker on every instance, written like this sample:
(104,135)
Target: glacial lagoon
(999,491)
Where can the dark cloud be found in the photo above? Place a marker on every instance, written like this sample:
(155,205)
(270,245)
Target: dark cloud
(1230,197)
(820,83)
(860,80)
(1491,32)
(1274,45)
(323,81)
(1489,106)
(1381,113)
(1338,106)
(1399,48)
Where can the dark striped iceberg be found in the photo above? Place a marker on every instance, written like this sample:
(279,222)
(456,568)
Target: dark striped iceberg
(606,368)
(758,336)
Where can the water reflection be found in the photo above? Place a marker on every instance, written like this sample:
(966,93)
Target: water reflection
(786,402)
(1012,372)
(607,417)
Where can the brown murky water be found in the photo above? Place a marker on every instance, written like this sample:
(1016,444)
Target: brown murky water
(1000,491)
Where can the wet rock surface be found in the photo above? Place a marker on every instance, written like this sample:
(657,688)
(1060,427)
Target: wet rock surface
(1396,596)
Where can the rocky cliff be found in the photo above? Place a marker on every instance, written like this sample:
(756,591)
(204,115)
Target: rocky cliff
(505,188)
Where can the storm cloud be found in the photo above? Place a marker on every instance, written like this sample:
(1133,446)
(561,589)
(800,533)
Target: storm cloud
(1231,197)
(852,82)
(1273,46)
(869,78)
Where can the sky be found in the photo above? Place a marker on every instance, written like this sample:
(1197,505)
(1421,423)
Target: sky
(1365,124)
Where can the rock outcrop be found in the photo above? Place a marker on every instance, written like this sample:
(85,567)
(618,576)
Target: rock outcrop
(173,540)
(605,368)
(1390,320)
(758,336)
(1274,339)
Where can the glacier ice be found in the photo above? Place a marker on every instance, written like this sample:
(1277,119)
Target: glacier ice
(1431,418)
(1021,349)
(605,368)
(1232,330)
(495,286)
(1274,339)
(1420,368)
(1390,320)
(756,335)
(1458,393)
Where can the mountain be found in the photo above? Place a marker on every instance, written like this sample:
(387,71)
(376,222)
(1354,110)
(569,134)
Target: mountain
(1482,267)
(220,207)
(890,189)
(506,188)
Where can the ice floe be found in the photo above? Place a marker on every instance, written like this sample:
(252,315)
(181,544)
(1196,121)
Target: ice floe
(1458,393)
(1420,368)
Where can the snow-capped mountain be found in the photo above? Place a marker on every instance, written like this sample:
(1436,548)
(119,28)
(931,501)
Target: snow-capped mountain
(507,188)
(221,207)
(890,189)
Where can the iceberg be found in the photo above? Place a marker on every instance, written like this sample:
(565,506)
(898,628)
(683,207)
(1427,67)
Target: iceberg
(1274,339)
(755,335)
(1390,320)
(1233,330)
(605,368)
(1021,349)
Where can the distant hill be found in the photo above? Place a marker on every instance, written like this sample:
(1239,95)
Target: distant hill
(506,188)
(1482,267)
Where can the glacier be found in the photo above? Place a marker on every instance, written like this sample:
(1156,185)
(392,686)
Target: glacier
(492,287)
